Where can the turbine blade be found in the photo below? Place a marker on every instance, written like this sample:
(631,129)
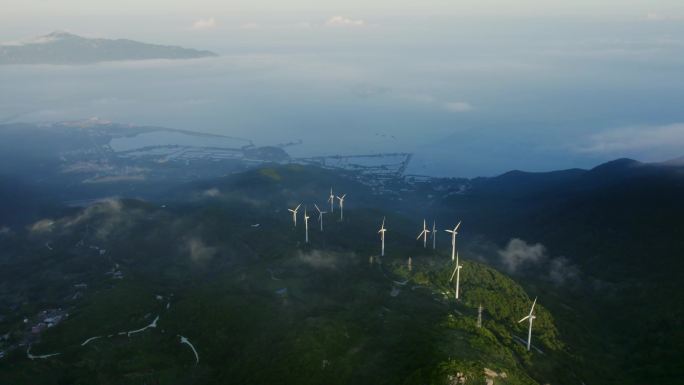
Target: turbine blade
(457,226)
(453,274)
(524,318)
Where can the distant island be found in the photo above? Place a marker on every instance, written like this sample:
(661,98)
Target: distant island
(67,48)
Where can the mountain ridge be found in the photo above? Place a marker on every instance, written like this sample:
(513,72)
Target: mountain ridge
(62,48)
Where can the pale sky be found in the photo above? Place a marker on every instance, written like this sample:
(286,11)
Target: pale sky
(363,7)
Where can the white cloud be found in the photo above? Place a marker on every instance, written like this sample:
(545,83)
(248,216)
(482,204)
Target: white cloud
(42,226)
(626,139)
(519,252)
(212,192)
(451,106)
(458,106)
(519,256)
(324,259)
(655,16)
(203,24)
(341,21)
(199,251)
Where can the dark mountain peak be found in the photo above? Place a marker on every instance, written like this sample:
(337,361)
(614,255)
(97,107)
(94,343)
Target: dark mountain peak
(614,170)
(620,164)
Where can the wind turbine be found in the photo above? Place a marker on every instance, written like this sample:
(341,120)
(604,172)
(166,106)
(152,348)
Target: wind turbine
(424,234)
(306,225)
(434,236)
(457,273)
(531,318)
(382,237)
(341,199)
(320,216)
(294,214)
(331,199)
(479,316)
(453,239)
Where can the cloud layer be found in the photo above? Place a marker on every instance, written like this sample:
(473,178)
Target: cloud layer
(341,21)
(620,141)
(203,24)
(519,255)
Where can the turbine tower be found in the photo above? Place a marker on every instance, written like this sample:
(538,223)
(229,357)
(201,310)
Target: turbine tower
(320,216)
(382,237)
(457,273)
(294,214)
(331,199)
(453,240)
(434,236)
(479,316)
(531,318)
(306,225)
(424,234)
(341,199)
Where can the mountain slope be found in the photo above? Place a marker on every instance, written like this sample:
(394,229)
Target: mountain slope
(616,231)
(259,305)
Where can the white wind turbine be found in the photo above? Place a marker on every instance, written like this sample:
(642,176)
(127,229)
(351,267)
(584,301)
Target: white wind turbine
(331,199)
(531,318)
(294,214)
(306,225)
(457,273)
(434,236)
(382,237)
(424,234)
(453,240)
(320,216)
(341,199)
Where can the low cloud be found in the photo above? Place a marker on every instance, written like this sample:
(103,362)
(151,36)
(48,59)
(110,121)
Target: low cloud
(519,256)
(42,226)
(518,253)
(458,106)
(212,192)
(4,230)
(324,259)
(204,24)
(656,16)
(341,21)
(562,271)
(620,141)
(199,251)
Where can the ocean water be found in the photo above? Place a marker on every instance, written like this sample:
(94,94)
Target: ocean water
(483,113)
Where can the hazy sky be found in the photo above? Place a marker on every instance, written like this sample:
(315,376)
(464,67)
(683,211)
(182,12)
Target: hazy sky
(471,87)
